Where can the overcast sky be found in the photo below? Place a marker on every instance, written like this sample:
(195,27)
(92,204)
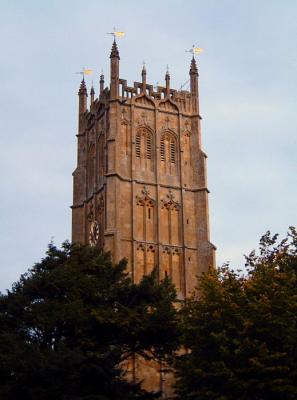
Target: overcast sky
(248,99)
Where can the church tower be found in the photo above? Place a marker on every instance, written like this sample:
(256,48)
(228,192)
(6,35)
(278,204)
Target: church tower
(140,188)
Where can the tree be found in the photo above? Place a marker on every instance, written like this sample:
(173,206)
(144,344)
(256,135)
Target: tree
(70,322)
(240,335)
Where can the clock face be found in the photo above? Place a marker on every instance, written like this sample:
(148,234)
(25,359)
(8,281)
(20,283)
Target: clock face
(94,233)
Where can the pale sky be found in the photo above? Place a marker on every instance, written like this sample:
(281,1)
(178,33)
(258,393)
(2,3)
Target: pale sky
(248,99)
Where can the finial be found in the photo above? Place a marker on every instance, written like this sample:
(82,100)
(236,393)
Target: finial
(101,82)
(92,91)
(167,79)
(167,76)
(193,68)
(143,73)
(82,88)
(114,50)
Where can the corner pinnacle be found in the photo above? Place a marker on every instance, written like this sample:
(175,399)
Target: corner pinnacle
(193,69)
(114,50)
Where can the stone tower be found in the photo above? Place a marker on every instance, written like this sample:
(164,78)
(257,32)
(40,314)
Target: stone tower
(140,188)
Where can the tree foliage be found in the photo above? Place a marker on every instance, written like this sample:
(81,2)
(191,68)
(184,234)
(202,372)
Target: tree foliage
(240,336)
(70,322)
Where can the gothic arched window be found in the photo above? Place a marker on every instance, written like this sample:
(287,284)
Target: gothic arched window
(168,153)
(144,150)
(143,144)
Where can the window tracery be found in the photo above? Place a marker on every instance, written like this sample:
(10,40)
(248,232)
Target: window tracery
(168,153)
(143,144)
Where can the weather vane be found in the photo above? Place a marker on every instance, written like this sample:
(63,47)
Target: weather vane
(195,50)
(116,34)
(85,71)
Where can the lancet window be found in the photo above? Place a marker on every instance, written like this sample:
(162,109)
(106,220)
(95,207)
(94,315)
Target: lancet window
(168,153)
(143,144)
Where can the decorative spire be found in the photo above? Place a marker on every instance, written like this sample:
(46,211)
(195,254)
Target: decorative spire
(83,88)
(114,71)
(114,51)
(167,79)
(92,93)
(194,85)
(143,73)
(193,69)
(82,104)
(101,82)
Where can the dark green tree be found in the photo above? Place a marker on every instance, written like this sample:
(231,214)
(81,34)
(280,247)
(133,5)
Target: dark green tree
(240,335)
(70,323)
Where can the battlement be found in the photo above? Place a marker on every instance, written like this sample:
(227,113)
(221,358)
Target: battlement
(147,95)
(183,99)
(138,88)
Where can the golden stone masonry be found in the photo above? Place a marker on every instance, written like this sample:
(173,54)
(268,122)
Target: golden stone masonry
(139,188)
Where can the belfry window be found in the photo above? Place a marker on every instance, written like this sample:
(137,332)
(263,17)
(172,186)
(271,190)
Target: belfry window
(143,144)
(168,148)
(168,153)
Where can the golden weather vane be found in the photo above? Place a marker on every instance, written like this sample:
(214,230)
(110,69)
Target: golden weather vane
(85,71)
(116,34)
(195,50)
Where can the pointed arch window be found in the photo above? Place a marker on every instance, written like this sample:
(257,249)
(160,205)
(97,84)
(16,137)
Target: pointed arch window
(168,153)
(143,144)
